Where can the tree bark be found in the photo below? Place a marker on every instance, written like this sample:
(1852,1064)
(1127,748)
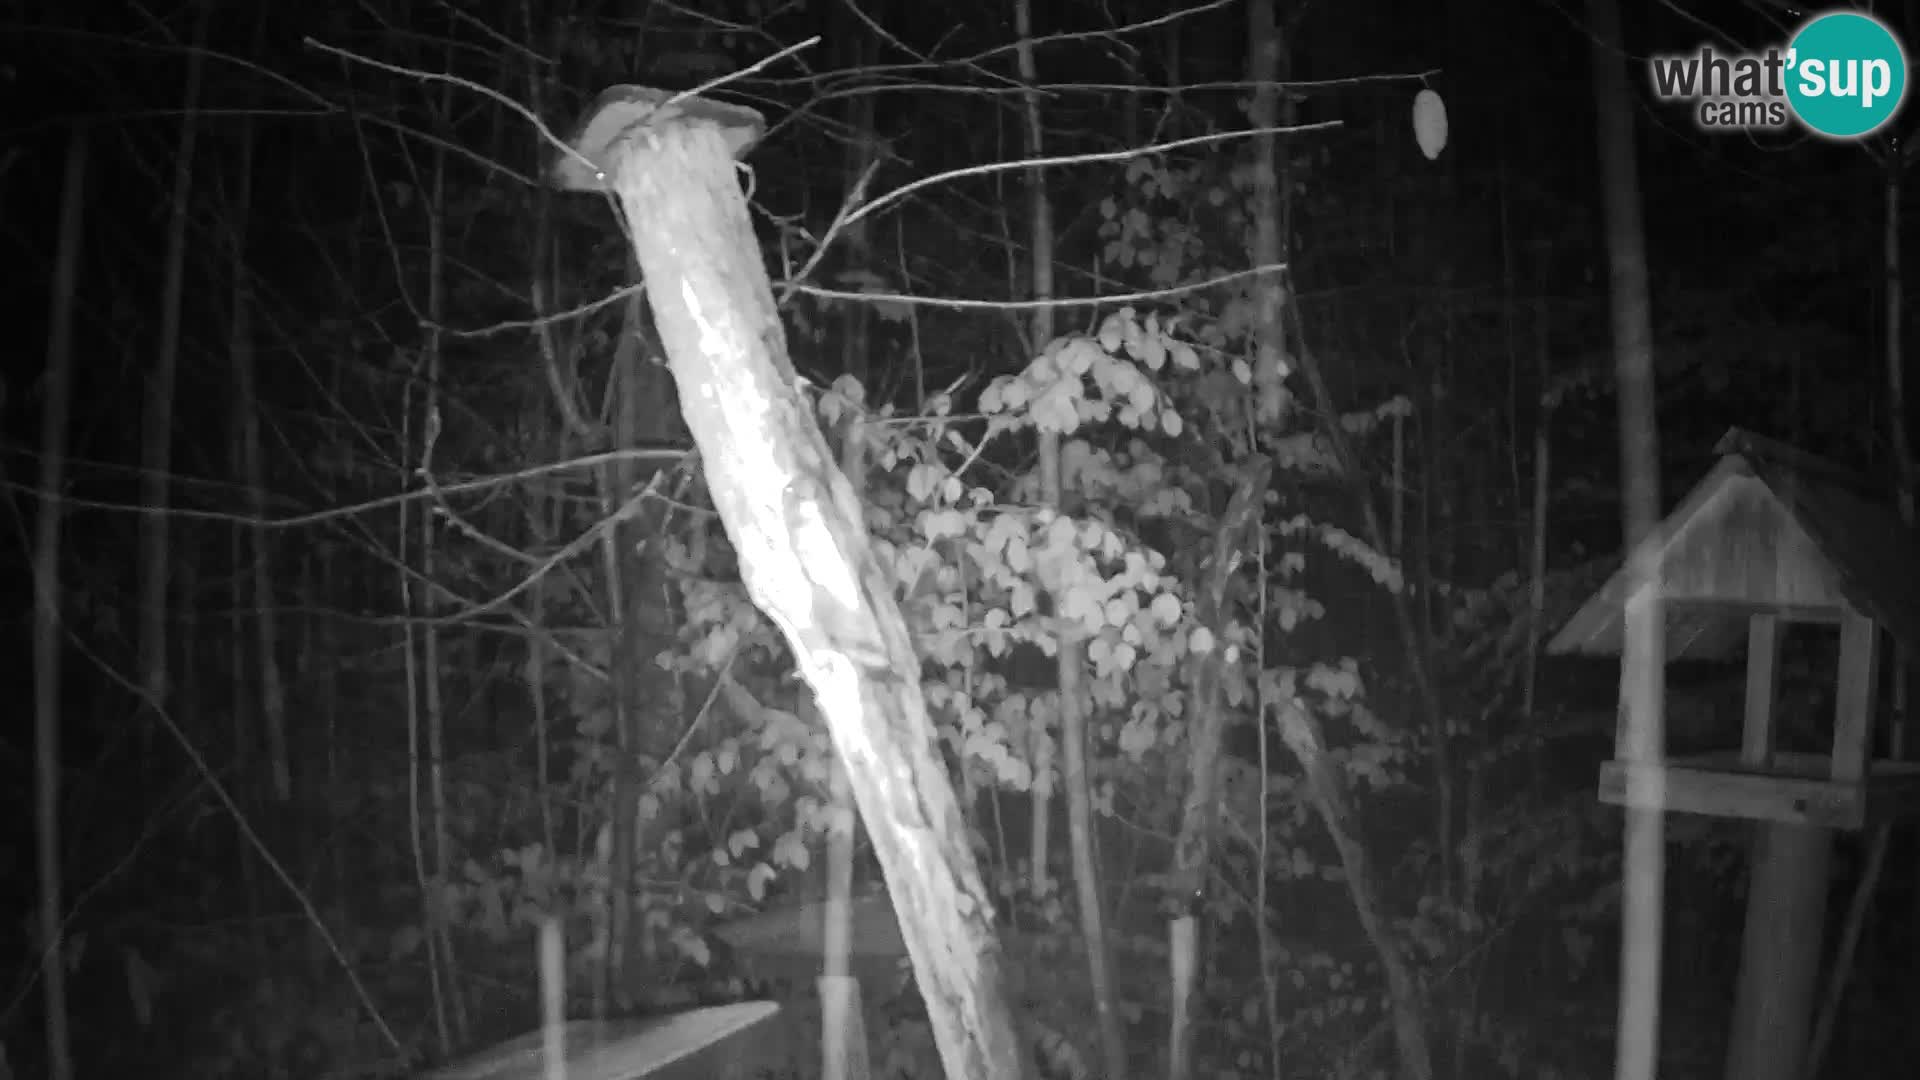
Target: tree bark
(807,561)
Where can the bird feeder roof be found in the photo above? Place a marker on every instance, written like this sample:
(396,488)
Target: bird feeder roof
(1769,528)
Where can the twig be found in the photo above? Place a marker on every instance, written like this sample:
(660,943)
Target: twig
(1857,911)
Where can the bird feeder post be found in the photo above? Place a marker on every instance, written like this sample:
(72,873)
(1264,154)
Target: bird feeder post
(1787,897)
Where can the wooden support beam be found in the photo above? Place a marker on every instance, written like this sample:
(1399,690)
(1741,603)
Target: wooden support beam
(1853,698)
(1764,633)
(1786,915)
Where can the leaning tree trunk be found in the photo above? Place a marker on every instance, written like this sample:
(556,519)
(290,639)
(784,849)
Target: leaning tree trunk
(800,535)
(1643,673)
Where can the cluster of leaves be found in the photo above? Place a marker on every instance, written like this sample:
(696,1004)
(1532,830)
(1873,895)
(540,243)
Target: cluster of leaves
(983,572)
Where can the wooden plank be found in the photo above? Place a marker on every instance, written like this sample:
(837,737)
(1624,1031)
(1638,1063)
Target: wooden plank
(613,1049)
(1745,545)
(1854,697)
(1746,795)
(1764,633)
(1795,789)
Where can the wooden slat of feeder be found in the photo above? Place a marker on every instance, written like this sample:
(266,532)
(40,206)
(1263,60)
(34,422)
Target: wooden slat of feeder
(613,1049)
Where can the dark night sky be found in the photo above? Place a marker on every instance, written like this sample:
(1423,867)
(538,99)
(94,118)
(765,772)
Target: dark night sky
(1515,73)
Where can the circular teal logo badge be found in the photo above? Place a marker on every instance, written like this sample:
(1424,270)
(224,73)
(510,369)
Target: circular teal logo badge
(1847,74)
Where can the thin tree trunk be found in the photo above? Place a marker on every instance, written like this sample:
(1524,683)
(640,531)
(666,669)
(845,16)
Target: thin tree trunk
(242,731)
(266,626)
(1069,659)
(570,427)
(189,695)
(1268,61)
(537,695)
(417,821)
(1040,742)
(1263,924)
(157,423)
(1860,908)
(1438,545)
(48,635)
(618,480)
(1643,673)
(862,156)
(1300,730)
(438,815)
(843,1032)
(1410,626)
(1537,552)
(844,1054)
(1239,532)
(1906,683)
(320,582)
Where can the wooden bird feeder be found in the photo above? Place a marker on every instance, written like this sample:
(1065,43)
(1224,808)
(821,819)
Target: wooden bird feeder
(1771,537)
